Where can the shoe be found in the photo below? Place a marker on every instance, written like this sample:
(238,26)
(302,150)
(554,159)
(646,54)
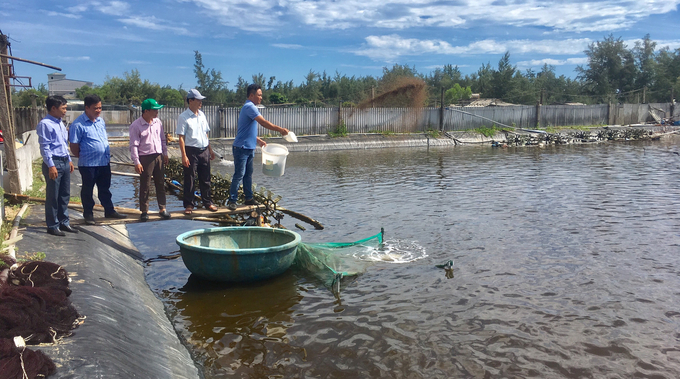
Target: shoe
(67,228)
(164,214)
(231,205)
(212,208)
(144,216)
(188,211)
(251,202)
(55,232)
(115,214)
(89,220)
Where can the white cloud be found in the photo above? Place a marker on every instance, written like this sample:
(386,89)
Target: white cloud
(576,16)
(61,14)
(138,62)
(552,62)
(73,59)
(114,8)
(390,47)
(287,45)
(153,23)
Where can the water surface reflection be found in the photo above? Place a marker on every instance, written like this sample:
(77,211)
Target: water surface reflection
(566,265)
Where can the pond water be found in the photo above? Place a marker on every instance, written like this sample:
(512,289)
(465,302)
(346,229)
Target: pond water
(566,265)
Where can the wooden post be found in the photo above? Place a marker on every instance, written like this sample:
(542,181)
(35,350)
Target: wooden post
(6,120)
(34,110)
(441,110)
(372,95)
(672,103)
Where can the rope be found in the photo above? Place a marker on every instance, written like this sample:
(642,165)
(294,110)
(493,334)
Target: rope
(29,275)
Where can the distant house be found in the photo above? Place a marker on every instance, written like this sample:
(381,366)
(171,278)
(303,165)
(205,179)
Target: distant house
(57,84)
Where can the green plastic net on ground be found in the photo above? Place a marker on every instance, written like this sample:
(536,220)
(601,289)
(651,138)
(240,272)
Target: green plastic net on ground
(332,261)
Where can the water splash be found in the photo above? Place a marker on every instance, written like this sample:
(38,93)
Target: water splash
(393,251)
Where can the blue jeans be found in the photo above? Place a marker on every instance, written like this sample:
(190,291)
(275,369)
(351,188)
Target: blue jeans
(100,176)
(57,193)
(243,170)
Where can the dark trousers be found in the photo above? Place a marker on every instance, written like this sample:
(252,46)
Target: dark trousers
(101,177)
(153,166)
(199,161)
(57,193)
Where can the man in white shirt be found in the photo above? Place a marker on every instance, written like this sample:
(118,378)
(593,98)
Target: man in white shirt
(192,129)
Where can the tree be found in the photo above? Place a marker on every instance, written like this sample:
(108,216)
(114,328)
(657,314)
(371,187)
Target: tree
(644,61)
(457,93)
(210,82)
(277,98)
(611,69)
(25,98)
(503,78)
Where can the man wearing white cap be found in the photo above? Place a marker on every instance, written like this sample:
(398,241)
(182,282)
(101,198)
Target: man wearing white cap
(192,129)
(149,153)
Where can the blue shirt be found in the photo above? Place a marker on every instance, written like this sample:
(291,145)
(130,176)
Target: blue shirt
(194,128)
(94,144)
(246,132)
(52,137)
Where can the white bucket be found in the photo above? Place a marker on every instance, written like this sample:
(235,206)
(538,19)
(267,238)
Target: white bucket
(274,159)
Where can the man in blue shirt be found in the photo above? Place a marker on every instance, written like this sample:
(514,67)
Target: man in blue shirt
(57,166)
(89,142)
(245,143)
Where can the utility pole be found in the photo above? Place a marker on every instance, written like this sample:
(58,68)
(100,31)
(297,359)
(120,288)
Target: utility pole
(7,119)
(644,95)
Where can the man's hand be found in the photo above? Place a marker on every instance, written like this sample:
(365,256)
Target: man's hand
(165,160)
(185,161)
(212,155)
(53,173)
(71,166)
(139,168)
(261,142)
(284,131)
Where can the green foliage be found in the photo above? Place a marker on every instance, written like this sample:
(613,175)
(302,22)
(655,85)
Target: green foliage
(457,93)
(277,98)
(487,132)
(31,257)
(432,133)
(131,89)
(25,98)
(209,82)
(348,104)
(340,130)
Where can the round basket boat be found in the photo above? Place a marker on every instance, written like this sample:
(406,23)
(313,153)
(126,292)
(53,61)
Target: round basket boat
(238,254)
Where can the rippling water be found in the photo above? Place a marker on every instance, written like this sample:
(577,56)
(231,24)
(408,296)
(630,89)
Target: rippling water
(566,265)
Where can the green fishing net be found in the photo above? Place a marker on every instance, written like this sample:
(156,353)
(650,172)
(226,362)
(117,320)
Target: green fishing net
(331,262)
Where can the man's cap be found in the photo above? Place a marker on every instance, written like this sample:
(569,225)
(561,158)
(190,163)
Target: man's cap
(150,104)
(194,94)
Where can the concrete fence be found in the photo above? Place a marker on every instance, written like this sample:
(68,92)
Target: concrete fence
(315,121)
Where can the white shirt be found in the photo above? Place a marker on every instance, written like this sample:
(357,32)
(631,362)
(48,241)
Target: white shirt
(194,128)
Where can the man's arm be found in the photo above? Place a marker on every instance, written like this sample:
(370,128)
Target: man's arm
(182,149)
(212,154)
(75,149)
(268,125)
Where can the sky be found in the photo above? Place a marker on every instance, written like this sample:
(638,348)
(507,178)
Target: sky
(93,40)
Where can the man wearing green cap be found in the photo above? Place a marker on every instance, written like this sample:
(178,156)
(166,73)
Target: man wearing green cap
(149,153)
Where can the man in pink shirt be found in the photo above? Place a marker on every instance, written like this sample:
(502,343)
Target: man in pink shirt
(149,153)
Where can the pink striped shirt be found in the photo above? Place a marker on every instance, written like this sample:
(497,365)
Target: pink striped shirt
(147,139)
